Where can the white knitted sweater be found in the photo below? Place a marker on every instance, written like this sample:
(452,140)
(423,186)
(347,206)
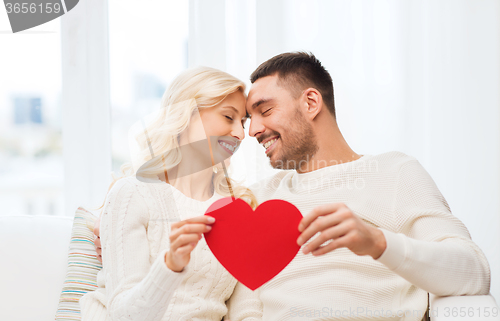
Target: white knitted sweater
(135,283)
(428,249)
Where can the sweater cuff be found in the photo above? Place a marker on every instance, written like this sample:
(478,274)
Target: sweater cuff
(161,282)
(394,254)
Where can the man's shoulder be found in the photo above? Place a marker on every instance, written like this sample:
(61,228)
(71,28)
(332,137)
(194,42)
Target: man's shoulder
(391,161)
(398,165)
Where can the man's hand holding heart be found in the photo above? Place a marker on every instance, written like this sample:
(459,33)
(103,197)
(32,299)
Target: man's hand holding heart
(338,223)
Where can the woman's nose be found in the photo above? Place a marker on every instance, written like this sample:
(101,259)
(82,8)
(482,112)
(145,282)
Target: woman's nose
(239,132)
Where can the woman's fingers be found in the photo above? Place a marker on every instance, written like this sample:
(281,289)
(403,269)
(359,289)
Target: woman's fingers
(178,256)
(97,242)
(97,226)
(178,259)
(205,219)
(183,240)
(97,239)
(184,237)
(192,228)
(186,249)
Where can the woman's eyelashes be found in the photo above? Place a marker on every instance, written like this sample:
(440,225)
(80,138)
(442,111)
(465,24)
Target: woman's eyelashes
(231,119)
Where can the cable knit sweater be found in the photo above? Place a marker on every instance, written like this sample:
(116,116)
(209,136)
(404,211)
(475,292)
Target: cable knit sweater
(135,283)
(428,249)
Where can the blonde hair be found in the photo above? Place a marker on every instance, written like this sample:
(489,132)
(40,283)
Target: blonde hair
(200,87)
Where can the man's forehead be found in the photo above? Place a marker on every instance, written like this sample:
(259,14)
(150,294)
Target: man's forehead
(261,89)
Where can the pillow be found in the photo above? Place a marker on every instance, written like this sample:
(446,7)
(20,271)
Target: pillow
(83,265)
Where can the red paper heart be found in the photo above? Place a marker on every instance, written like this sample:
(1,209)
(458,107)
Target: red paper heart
(253,246)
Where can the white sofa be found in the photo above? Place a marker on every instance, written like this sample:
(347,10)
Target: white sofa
(33,252)
(462,308)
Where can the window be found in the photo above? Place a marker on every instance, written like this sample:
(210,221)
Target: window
(31,175)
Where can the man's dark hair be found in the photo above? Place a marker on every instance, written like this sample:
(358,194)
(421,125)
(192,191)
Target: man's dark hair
(298,71)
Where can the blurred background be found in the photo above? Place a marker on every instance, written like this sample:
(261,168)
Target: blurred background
(418,76)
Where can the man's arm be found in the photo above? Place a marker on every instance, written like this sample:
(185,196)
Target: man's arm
(452,266)
(428,246)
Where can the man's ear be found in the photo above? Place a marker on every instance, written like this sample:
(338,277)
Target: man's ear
(313,102)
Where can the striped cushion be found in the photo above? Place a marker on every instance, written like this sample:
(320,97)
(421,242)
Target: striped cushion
(83,266)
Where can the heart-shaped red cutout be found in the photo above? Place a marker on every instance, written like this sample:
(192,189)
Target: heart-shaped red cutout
(253,246)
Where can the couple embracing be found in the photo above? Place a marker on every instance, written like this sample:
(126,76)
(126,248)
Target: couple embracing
(376,236)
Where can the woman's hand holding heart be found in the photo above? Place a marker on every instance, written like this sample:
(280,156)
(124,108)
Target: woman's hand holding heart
(184,237)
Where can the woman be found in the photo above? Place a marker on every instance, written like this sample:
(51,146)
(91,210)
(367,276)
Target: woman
(156,264)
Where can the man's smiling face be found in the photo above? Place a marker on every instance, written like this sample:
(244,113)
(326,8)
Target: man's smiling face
(277,122)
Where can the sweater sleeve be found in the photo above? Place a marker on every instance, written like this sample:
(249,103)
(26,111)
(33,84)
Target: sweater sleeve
(429,246)
(137,288)
(244,304)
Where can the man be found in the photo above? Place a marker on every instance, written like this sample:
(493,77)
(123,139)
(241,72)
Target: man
(377,234)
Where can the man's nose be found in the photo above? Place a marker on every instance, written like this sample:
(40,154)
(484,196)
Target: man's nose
(256,127)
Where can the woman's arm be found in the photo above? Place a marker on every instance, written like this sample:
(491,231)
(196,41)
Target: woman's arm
(137,288)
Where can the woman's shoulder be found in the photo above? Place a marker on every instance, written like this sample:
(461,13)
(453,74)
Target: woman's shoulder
(154,192)
(151,191)
(137,183)
(121,185)
(132,186)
